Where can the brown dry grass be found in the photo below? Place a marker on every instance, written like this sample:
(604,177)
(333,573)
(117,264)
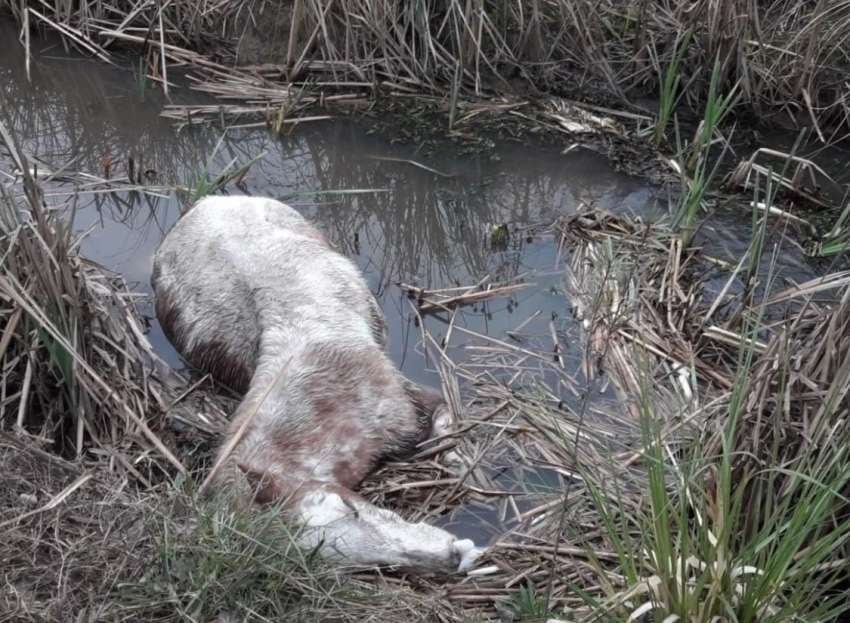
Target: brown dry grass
(81,543)
(788,57)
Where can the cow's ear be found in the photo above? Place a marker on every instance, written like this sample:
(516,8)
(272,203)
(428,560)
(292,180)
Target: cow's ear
(266,487)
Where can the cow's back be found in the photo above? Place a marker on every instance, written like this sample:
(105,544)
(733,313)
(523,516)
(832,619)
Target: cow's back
(234,267)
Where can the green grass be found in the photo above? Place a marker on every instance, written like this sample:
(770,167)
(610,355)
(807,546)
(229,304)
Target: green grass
(227,563)
(718,106)
(837,240)
(696,165)
(729,529)
(204,182)
(527,605)
(669,84)
(210,560)
(709,540)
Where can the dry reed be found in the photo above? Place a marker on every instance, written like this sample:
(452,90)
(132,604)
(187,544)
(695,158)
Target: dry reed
(788,58)
(78,370)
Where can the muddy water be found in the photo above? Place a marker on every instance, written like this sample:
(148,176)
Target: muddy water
(399,222)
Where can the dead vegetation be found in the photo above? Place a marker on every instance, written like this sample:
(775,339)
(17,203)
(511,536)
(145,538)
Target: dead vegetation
(743,420)
(81,543)
(78,371)
(673,449)
(787,58)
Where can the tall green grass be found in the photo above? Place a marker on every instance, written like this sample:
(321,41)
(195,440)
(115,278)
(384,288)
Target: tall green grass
(737,523)
(695,162)
(706,545)
(669,93)
(837,240)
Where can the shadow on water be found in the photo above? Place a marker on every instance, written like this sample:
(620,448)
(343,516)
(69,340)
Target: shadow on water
(400,223)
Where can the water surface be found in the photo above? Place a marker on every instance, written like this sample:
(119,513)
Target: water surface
(414,226)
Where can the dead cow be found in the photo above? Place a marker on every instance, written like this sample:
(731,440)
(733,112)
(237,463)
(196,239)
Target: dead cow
(249,291)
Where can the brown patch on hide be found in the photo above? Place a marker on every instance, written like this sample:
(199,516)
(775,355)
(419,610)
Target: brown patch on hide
(334,378)
(377,323)
(169,317)
(346,452)
(266,488)
(338,380)
(381,379)
(348,475)
(228,369)
(401,442)
(331,407)
(425,400)
(289,449)
(360,410)
(213,357)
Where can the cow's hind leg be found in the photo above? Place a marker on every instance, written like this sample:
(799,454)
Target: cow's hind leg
(431,417)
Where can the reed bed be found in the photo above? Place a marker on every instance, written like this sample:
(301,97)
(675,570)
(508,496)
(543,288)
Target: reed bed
(743,420)
(77,366)
(677,442)
(787,58)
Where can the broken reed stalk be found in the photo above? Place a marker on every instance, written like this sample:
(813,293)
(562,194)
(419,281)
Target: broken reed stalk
(78,369)
(433,301)
(659,309)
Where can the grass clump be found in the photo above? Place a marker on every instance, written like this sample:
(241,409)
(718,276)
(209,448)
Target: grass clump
(740,512)
(695,165)
(669,93)
(527,605)
(217,562)
(708,542)
(837,239)
(204,182)
(77,361)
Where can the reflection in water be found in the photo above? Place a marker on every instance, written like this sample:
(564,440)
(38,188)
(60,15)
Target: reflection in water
(399,222)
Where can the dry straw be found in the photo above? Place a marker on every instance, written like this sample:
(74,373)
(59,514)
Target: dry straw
(787,58)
